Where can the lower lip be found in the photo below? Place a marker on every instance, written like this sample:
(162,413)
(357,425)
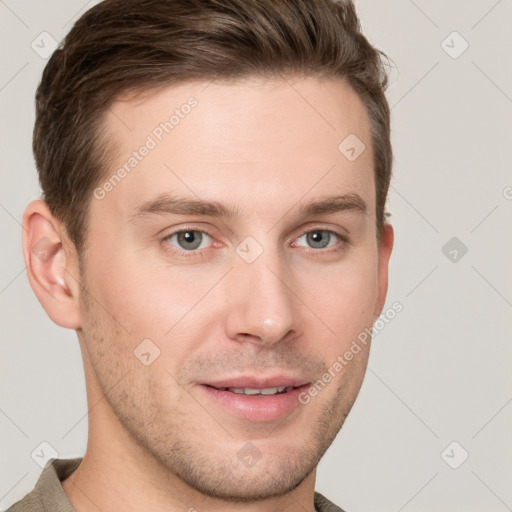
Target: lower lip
(256,408)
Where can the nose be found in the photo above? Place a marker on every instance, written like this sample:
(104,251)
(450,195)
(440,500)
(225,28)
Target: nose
(262,305)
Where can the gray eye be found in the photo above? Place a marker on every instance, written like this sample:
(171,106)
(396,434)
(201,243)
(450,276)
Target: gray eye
(318,239)
(189,240)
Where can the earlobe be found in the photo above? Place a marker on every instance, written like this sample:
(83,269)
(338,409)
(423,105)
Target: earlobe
(385,248)
(51,265)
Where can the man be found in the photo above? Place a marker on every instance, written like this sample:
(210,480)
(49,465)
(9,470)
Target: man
(214,179)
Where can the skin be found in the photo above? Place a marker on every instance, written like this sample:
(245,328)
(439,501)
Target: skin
(156,439)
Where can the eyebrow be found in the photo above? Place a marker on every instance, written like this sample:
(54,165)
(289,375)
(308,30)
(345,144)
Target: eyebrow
(166,204)
(334,204)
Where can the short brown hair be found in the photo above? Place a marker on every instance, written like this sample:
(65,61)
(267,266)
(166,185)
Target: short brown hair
(135,45)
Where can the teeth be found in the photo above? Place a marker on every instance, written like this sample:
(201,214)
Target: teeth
(265,391)
(249,391)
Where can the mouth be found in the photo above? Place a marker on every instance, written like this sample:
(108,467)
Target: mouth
(278,390)
(256,400)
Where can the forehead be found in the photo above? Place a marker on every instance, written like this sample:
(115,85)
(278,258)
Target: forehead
(268,139)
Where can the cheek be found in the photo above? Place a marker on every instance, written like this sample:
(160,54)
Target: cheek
(343,296)
(130,295)
(171,306)
(120,327)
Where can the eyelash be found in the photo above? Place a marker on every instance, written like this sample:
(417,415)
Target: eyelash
(344,240)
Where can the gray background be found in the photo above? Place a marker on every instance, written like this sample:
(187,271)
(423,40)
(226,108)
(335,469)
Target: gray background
(438,373)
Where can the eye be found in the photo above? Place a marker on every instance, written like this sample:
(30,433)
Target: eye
(192,241)
(188,240)
(320,238)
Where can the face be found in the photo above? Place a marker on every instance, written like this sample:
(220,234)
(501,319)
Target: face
(228,268)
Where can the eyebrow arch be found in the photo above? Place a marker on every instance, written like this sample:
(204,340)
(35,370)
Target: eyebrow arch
(165,204)
(334,204)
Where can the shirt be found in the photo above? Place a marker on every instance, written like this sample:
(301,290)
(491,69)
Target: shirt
(48,494)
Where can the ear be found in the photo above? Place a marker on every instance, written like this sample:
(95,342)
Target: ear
(385,248)
(52,265)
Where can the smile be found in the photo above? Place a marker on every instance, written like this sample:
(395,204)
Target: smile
(255,400)
(260,392)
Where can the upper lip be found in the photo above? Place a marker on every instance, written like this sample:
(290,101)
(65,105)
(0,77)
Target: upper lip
(253,382)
